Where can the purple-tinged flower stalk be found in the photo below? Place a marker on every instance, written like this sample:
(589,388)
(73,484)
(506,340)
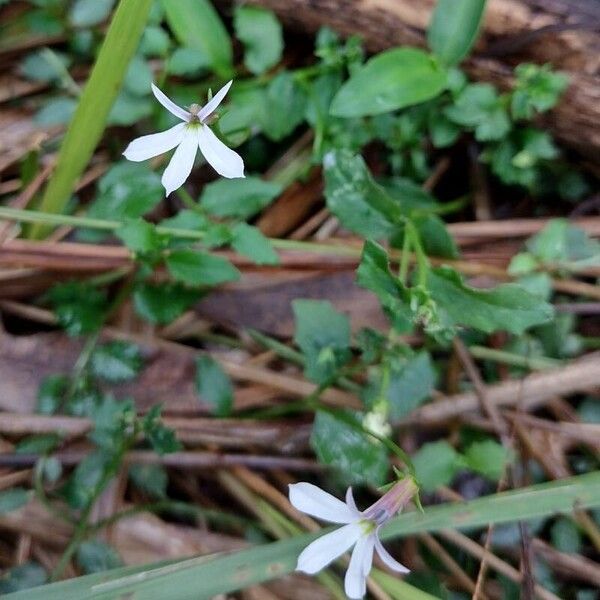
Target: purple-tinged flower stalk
(187,137)
(360,529)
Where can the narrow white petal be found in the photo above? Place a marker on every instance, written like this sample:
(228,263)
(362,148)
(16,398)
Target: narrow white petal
(327,548)
(315,502)
(351,504)
(214,102)
(147,146)
(222,159)
(355,582)
(388,559)
(180,167)
(179,112)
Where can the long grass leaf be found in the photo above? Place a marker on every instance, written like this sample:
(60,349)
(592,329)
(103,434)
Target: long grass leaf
(101,89)
(205,577)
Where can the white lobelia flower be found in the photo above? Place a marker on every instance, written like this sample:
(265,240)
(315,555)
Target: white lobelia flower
(187,136)
(361,530)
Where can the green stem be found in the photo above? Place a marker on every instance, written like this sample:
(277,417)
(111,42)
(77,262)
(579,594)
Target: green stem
(32,216)
(535,363)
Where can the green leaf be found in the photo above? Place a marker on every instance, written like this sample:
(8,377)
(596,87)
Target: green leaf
(117,361)
(139,236)
(38,444)
(507,307)
(234,571)
(101,90)
(411,382)
(323,335)
(435,237)
(241,197)
(199,268)
(86,13)
(374,274)
(487,458)
(249,241)
(150,479)
(51,394)
(187,62)
(479,106)
(128,190)
(162,303)
(138,79)
(37,67)
(162,439)
(353,196)
(79,307)
(128,110)
(454,27)
(391,80)
(561,241)
(196,24)
(23,577)
(436,464)
(538,89)
(95,556)
(214,386)
(565,536)
(261,33)
(13,499)
(57,111)
(359,458)
(155,42)
(284,106)
(82,486)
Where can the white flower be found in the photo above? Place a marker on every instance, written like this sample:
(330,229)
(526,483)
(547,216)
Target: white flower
(194,132)
(361,530)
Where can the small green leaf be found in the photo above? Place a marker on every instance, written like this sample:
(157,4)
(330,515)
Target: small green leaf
(57,111)
(150,479)
(38,444)
(86,13)
(538,89)
(260,31)
(242,197)
(488,458)
(507,307)
(95,556)
(155,42)
(138,79)
(51,394)
(436,464)
(323,335)
(250,242)
(162,439)
(162,303)
(214,386)
(454,27)
(435,237)
(37,67)
(81,488)
(199,268)
(359,458)
(284,106)
(79,307)
(353,196)
(196,24)
(565,536)
(391,80)
(23,577)
(139,236)
(116,361)
(13,499)
(187,62)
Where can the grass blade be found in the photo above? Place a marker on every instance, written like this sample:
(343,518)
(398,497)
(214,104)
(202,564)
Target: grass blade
(87,125)
(209,576)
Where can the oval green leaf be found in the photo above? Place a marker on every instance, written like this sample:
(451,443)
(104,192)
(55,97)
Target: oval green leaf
(454,27)
(391,80)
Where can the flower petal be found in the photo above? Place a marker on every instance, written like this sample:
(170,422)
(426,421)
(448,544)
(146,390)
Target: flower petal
(222,159)
(179,112)
(355,582)
(180,167)
(147,146)
(314,501)
(351,504)
(327,548)
(387,558)
(214,102)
